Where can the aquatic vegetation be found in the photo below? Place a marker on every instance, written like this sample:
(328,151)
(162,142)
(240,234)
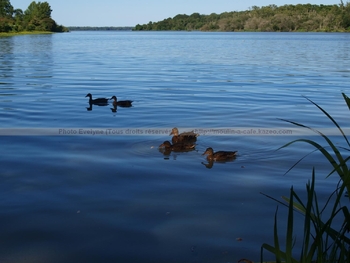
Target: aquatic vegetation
(338,163)
(324,239)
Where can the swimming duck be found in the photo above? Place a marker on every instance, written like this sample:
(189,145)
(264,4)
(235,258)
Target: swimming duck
(220,155)
(177,147)
(183,137)
(99,101)
(121,103)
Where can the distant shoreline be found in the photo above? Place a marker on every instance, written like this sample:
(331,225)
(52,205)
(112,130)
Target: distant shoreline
(9,34)
(271,18)
(103,28)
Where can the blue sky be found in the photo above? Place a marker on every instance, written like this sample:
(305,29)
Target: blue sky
(133,12)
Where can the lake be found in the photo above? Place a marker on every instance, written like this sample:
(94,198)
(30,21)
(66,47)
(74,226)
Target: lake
(71,194)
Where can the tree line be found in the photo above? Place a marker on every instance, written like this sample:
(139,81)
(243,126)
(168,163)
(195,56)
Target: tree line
(37,17)
(286,18)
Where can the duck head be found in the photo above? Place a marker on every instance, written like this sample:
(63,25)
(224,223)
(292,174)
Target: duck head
(208,151)
(165,144)
(174,132)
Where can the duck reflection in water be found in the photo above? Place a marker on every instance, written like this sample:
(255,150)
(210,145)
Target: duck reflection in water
(184,137)
(90,106)
(220,156)
(166,147)
(114,109)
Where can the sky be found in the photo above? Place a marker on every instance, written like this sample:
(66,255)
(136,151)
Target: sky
(133,12)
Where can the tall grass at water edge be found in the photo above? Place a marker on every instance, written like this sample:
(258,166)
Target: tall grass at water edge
(323,240)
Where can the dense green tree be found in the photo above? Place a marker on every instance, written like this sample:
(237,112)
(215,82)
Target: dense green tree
(36,17)
(6,9)
(6,20)
(300,17)
(19,23)
(39,10)
(5,24)
(345,16)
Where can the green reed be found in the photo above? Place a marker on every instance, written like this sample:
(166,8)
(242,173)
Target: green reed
(339,163)
(323,240)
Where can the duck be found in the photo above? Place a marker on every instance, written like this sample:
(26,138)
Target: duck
(189,137)
(177,147)
(121,103)
(220,155)
(99,101)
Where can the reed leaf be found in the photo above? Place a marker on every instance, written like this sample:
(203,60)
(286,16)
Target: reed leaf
(330,117)
(279,254)
(276,241)
(317,146)
(326,242)
(321,241)
(341,166)
(337,167)
(307,220)
(347,100)
(289,236)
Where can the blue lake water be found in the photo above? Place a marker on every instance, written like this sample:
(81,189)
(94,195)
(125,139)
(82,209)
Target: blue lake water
(67,196)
